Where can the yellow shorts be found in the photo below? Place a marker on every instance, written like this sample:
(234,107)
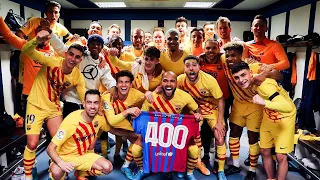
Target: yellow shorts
(246,115)
(124,124)
(278,134)
(35,117)
(83,162)
(212,119)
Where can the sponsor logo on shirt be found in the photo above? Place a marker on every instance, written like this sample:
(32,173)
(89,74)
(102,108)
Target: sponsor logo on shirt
(60,134)
(178,107)
(84,138)
(203,91)
(96,124)
(167,154)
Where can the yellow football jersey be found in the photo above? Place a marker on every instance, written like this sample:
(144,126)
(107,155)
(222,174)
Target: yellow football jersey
(75,135)
(50,80)
(278,103)
(205,92)
(168,65)
(175,105)
(239,94)
(113,110)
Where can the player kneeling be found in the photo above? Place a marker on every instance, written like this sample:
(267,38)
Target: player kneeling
(277,127)
(72,147)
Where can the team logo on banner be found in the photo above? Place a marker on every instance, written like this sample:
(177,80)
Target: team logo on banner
(60,134)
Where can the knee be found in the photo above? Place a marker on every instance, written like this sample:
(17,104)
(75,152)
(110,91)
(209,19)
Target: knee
(220,141)
(32,145)
(107,167)
(281,158)
(265,152)
(56,171)
(253,137)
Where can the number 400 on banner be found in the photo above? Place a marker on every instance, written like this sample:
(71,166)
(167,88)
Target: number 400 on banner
(172,135)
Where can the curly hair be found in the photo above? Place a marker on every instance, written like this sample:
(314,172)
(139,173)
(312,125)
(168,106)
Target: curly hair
(233,46)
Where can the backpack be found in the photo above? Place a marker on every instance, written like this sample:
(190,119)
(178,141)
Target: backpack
(14,21)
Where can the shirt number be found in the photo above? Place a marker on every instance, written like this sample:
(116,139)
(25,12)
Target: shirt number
(172,135)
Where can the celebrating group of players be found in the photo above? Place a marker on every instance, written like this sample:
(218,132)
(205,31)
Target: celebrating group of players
(105,86)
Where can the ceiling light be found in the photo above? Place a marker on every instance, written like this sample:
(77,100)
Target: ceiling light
(110,4)
(199,4)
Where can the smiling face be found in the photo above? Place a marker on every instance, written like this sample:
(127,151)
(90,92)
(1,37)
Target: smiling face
(192,68)
(53,14)
(233,56)
(243,78)
(114,32)
(173,42)
(91,104)
(259,28)
(158,38)
(209,31)
(223,30)
(124,84)
(137,39)
(95,28)
(211,49)
(72,58)
(197,38)
(168,84)
(95,48)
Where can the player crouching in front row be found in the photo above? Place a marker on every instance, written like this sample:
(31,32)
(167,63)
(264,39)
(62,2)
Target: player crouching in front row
(277,127)
(72,146)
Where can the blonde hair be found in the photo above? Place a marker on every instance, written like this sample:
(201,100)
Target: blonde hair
(113,26)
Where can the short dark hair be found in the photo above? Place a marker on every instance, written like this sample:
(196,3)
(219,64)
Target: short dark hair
(96,22)
(262,17)
(197,29)
(233,46)
(124,73)
(52,4)
(77,46)
(152,52)
(181,19)
(92,92)
(113,39)
(191,57)
(239,66)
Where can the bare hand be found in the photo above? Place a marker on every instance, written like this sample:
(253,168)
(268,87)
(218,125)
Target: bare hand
(134,111)
(198,117)
(74,38)
(220,129)
(113,94)
(258,79)
(149,97)
(266,68)
(102,63)
(66,166)
(251,60)
(42,36)
(257,99)
(113,51)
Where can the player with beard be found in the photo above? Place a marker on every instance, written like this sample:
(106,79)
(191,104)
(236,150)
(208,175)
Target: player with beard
(137,39)
(211,63)
(55,75)
(172,58)
(206,92)
(223,27)
(209,30)
(244,113)
(170,100)
(182,27)
(279,115)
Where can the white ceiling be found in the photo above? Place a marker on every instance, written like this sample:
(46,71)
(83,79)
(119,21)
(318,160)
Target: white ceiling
(253,4)
(245,5)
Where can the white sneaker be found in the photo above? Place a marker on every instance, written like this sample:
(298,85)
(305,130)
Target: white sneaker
(213,146)
(18,174)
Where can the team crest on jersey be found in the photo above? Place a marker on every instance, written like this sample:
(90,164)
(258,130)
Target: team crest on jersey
(178,107)
(203,91)
(106,106)
(60,134)
(96,124)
